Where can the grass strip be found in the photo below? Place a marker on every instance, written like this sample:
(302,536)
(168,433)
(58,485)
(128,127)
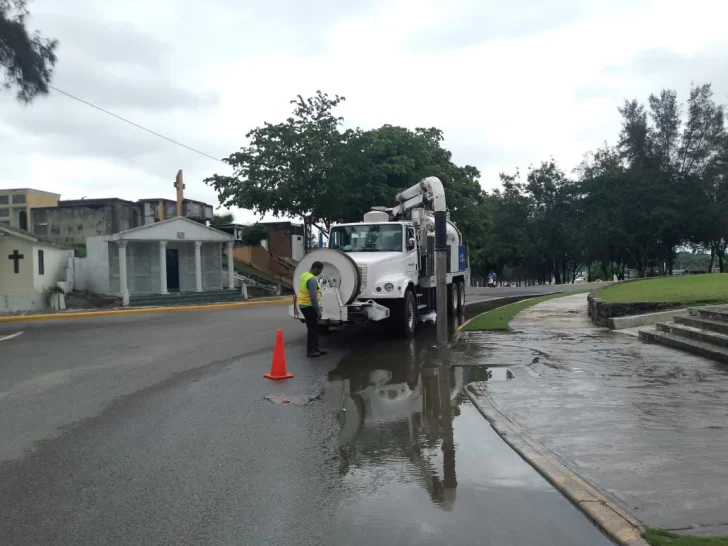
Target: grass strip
(659,537)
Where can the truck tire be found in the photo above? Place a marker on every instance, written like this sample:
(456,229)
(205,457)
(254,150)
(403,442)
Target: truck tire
(461,297)
(452,299)
(404,315)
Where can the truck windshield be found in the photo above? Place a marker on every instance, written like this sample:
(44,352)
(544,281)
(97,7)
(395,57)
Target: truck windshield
(367,238)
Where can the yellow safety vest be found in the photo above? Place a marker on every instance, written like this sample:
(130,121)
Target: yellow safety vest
(304,298)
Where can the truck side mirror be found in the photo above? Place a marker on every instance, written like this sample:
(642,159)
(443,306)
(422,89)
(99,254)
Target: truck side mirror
(411,243)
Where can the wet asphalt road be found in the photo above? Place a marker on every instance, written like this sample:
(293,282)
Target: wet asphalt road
(483,294)
(156,430)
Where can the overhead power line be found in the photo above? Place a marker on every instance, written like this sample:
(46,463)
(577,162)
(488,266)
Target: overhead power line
(136,125)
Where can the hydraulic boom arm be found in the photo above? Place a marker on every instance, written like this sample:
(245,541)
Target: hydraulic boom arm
(427,190)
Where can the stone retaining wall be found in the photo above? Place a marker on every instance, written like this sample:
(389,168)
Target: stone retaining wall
(601,311)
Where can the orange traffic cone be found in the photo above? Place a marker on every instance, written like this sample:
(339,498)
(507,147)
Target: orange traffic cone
(278,366)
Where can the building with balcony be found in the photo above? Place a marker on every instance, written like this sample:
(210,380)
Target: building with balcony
(16,206)
(156,210)
(71,222)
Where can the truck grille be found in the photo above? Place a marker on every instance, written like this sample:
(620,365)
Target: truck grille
(363,275)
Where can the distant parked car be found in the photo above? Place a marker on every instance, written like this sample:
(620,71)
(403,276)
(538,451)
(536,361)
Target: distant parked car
(580,279)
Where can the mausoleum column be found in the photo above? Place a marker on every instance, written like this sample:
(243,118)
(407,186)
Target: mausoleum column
(198,266)
(123,287)
(231,265)
(163,267)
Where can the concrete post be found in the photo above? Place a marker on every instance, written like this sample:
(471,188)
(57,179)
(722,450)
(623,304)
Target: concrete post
(450,481)
(198,266)
(441,277)
(244,290)
(231,265)
(123,288)
(163,267)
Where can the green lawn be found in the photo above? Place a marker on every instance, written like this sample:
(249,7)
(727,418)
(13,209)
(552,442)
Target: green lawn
(658,537)
(498,319)
(685,290)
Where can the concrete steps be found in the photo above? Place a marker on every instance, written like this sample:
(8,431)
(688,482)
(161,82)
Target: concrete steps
(694,333)
(704,324)
(703,332)
(185,298)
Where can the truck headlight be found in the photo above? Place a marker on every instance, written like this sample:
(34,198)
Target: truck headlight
(389,287)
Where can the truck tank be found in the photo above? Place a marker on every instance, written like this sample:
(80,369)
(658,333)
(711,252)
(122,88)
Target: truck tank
(454,238)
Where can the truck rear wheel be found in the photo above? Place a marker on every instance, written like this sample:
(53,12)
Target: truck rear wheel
(461,294)
(404,315)
(453,299)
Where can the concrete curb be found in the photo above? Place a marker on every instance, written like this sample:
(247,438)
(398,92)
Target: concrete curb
(635,321)
(615,522)
(141,311)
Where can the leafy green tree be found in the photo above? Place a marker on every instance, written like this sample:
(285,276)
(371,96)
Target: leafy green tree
(308,167)
(27,59)
(288,168)
(669,164)
(222,219)
(254,234)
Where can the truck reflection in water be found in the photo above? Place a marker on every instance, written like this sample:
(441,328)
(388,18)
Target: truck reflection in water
(395,405)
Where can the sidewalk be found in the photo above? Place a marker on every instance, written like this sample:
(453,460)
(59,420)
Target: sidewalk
(645,424)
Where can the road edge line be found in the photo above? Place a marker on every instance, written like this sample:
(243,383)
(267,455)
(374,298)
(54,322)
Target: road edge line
(11,336)
(139,311)
(616,523)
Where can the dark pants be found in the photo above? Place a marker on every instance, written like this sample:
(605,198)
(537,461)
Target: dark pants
(312,339)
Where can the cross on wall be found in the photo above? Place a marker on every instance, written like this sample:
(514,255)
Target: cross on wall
(16,257)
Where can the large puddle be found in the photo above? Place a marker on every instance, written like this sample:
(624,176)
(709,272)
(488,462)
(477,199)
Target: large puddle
(420,465)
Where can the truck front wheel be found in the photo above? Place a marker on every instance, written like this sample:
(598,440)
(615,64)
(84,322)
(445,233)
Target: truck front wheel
(405,315)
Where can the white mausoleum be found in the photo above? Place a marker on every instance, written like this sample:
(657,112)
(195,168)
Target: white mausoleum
(177,255)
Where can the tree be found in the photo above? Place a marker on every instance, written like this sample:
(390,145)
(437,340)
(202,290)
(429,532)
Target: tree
(222,219)
(379,163)
(288,168)
(254,234)
(26,59)
(671,166)
(307,167)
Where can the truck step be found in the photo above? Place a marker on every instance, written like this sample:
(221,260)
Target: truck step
(421,306)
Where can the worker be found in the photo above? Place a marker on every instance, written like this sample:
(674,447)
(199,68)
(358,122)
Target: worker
(309,302)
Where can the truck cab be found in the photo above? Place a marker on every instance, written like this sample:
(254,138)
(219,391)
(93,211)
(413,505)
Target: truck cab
(386,255)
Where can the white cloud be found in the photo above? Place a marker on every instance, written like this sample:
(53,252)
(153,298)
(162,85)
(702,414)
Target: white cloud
(509,86)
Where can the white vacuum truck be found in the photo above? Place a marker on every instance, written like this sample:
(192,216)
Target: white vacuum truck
(384,267)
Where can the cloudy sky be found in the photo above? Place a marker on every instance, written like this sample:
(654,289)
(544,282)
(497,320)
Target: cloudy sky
(509,83)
